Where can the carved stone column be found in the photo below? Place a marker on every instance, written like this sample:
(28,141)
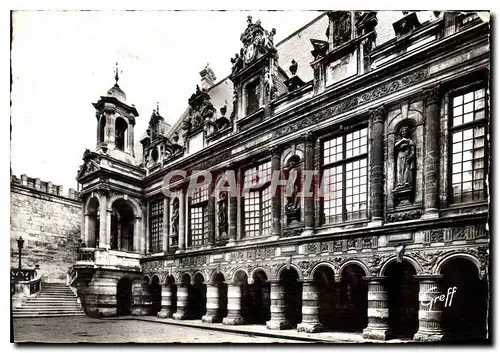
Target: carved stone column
(309,168)
(213,311)
(182,303)
(233,219)
(278,309)
(429,316)
(310,307)
(276,198)
(182,222)
(103,206)
(234,299)
(377,171)
(211,214)
(432,153)
(141,298)
(166,301)
(378,309)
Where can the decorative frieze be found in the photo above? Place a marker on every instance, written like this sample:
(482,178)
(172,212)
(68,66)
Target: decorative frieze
(353,102)
(403,216)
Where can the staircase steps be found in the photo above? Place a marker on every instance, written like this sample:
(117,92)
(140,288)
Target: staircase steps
(53,300)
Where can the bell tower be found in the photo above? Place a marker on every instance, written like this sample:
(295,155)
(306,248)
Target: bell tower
(115,123)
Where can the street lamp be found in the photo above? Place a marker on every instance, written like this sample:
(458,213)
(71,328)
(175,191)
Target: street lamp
(20,243)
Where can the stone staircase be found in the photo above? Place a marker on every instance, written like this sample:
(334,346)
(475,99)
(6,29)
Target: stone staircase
(54,299)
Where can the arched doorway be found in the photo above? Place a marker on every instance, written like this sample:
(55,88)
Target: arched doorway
(219,283)
(155,289)
(198,297)
(353,304)
(93,221)
(289,279)
(402,296)
(257,299)
(124,296)
(464,318)
(324,278)
(122,226)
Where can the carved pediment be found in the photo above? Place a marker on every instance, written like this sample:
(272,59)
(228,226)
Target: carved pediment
(200,110)
(89,167)
(341,27)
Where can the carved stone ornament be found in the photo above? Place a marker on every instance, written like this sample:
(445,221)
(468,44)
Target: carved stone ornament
(222,215)
(351,103)
(378,114)
(432,95)
(293,173)
(405,160)
(404,216)
(341,24)
(201,109)
(175,222)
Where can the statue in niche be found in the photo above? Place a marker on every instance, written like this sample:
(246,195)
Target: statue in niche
(293,174)
(222,217)
(405,159)
(175,222)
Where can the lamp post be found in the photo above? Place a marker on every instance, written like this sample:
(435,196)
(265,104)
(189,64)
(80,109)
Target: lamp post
(20,243)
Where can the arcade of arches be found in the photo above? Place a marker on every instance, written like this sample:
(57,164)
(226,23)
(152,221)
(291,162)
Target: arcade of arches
(398,304)
(115,227)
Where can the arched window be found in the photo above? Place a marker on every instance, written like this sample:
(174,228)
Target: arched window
(102,125)
(120,133)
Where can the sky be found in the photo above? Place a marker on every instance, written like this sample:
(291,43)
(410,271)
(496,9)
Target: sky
(62,61)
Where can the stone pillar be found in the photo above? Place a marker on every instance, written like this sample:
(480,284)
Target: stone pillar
(141,298)
(213,311)
(309,166)
(276,198)
(432,155)
(166,224)
(378,309)
(429,316)
(103,219)
(234,301)
(182,222)
(377,170)
(137,234)
(278,308)
(182,302)
(211,214)
(233,219)
(166,301)
(310,307)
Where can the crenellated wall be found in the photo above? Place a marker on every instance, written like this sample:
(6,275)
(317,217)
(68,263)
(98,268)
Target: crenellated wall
(48,221)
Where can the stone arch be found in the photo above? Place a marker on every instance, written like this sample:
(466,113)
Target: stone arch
(197,274)
(91,197)
(157,276)
(323,263)
(236,271)
(441,262)
(413,262)
(169,279)
(185,278)
(146,279)
(255,270)
(289,152)
(213,274)
(284,266)
(355,262)
(135,205)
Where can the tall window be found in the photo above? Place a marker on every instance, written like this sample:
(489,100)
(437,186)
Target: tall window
(198,216)
(120,134)
(345,177)
(468,131)
(156,225)
(257,200)
(253,96)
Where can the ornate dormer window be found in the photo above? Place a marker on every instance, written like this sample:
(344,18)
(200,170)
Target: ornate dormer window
(254,74)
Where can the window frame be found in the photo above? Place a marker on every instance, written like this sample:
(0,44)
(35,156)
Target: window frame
(263,231)
(343,162)
(202,204)
(483,122)
(159,217)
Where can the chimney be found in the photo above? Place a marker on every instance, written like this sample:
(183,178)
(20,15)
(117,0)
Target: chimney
(207,78)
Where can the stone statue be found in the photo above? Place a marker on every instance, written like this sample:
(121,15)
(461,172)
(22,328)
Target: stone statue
(293,174)
(222,214)
(175,222)
(405,159)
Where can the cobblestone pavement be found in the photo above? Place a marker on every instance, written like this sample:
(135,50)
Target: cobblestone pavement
(84,329)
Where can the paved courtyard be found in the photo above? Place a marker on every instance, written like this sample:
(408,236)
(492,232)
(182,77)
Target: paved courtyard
(85,329)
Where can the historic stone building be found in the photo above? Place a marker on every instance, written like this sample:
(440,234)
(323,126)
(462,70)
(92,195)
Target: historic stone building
(382,122)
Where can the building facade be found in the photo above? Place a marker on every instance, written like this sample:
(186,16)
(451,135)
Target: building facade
(378,122)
